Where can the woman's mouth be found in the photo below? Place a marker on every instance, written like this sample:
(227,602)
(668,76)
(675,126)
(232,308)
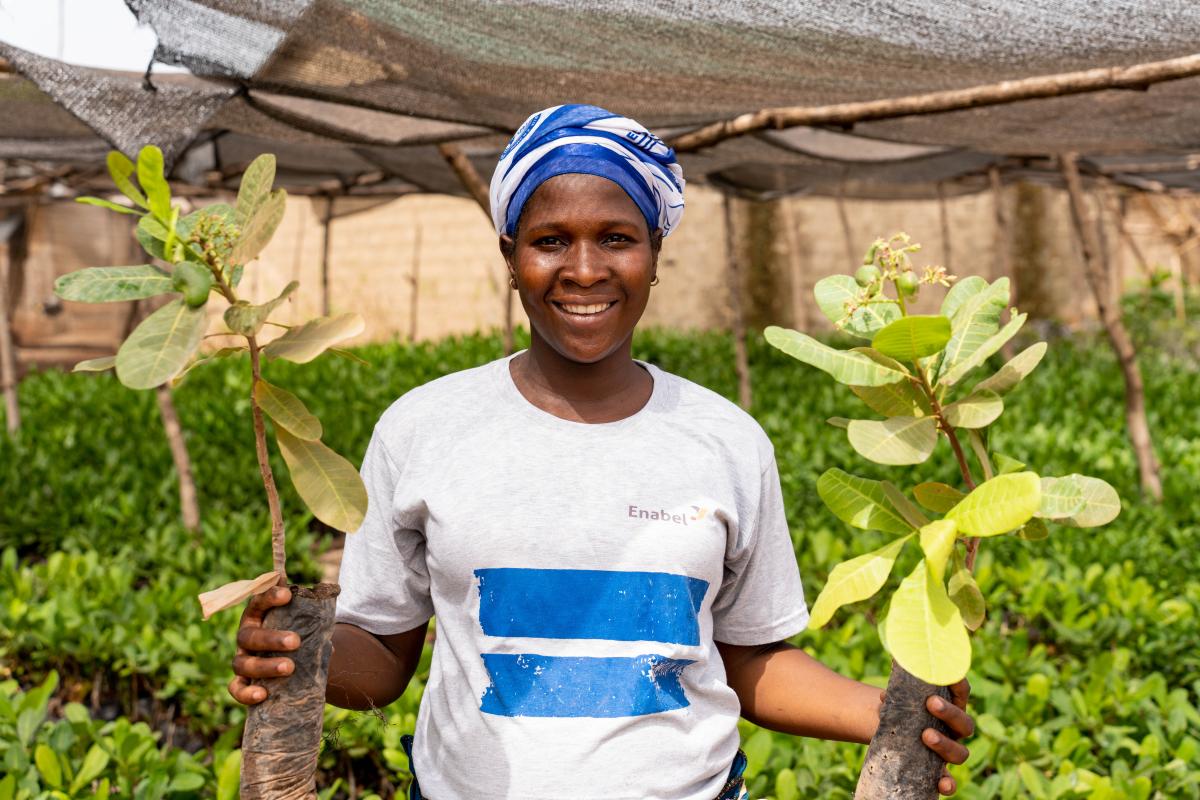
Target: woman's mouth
(590,310)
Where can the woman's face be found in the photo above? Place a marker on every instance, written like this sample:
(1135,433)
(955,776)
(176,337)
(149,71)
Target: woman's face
(583,261)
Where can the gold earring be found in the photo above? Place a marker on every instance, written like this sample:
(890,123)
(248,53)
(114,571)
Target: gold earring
(655,281)
(512,282)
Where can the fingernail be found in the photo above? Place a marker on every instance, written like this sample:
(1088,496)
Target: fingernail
(291,641)
(282,668)
(938,704)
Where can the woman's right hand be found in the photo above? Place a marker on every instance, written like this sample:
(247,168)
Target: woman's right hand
(253,638)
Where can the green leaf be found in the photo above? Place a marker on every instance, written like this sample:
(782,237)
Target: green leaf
(1015,370)
(925,631)
(48,765)
(834,292)
(913,337)
(93,764)
(937,542)
(1004,464)
(154,182)
(974,322)
(349,356)
(848,367)
(1004,503)
(899,440)
(96,364)
(327,483)
(1101,503)
(854,580)
(1061,497)
(305,342)
(287,411)
(152,236)
(964,593)
(937,497)
(8,787)
(258,230)
(229,776)
(111,206)
(194,281)
(984,351)
(120,169)
(977,410)
(248,320)
(255,187)
(161,346)
(900,399)
(186,782)
(910,512)
(859,502)
(786,786)
(960,292)
(1033,531)
(113,284)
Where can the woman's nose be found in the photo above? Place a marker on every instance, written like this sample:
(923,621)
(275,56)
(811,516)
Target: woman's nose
(587,264)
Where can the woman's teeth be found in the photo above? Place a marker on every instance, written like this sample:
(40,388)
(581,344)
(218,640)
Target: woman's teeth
(592,309)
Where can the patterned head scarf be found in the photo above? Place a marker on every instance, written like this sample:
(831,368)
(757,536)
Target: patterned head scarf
(589,140)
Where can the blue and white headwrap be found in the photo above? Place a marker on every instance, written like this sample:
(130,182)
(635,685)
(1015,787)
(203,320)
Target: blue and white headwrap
(589,140)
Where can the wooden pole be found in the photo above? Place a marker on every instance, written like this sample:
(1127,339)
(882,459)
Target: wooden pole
(1117,208)
(469,177)
(844,218)
(944,218)
(1138,76)
(1002,245)
(741,360)
(1110,314)
(326,225)
(799,305)
(9,228)
(415,281)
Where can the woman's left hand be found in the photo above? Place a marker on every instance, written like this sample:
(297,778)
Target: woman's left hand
(961,726)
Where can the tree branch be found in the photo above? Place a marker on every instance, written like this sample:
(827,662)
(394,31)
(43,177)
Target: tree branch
(278,553)
(1138,76)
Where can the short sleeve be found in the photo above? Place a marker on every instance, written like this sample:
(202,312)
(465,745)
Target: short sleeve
(761,599)
(384,578)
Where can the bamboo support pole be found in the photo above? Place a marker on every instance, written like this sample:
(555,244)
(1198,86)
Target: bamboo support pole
(944,220)
(8,356)
(1110,314)
(844,219)
(189,505)
(1138,76)
(800,320)
(326,226)
(478,189)
(741,361)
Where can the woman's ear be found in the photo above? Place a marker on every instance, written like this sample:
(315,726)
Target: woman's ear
(656,240)
(508,249)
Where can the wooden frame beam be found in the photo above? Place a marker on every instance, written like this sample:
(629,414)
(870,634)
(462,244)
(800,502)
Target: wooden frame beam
(1139,76)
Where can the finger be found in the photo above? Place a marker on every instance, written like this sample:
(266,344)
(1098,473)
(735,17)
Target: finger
(960,722)
(244,693)
(948,750)
(256,639)
(255,667)
(947,785)
(261,603)
(960,693)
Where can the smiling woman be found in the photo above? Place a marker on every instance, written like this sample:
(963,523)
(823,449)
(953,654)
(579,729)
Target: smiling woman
(584,650)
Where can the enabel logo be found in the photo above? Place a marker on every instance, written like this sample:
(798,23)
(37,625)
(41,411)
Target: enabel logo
(662,515)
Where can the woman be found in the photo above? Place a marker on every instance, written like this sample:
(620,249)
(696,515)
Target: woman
(603,543)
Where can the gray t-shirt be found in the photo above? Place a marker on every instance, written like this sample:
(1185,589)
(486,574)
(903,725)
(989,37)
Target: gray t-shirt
(579,574)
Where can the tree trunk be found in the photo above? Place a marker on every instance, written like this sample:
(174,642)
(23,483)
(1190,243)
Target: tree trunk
(1110,314)
(282,738)
(188,504)
(899,766)
(741,361)
(8,360)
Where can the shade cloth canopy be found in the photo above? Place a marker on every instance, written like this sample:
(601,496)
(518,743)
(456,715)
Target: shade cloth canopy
(353,95)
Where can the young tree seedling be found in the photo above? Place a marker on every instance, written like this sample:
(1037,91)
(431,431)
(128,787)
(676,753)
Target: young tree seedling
(914,374)
(206,253)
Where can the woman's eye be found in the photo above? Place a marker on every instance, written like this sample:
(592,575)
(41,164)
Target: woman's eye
(547,241)
(618,238)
